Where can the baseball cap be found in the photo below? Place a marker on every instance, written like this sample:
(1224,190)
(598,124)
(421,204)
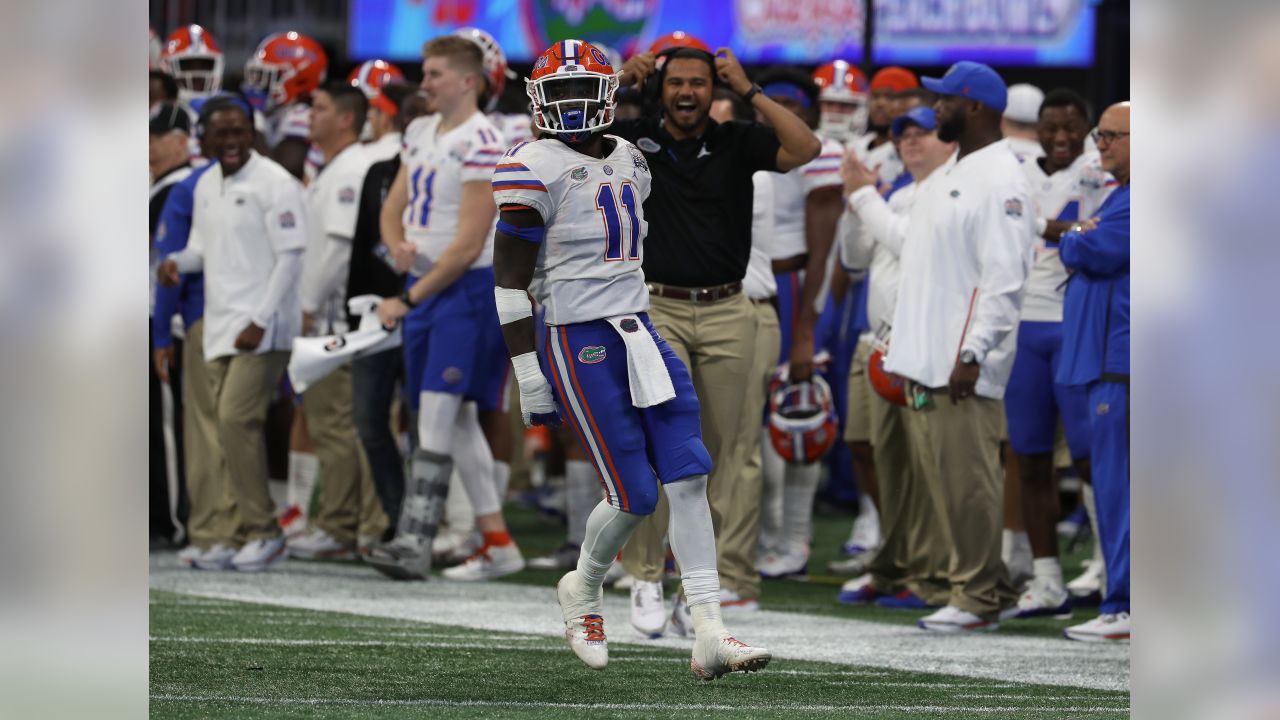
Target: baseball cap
(1024,103)
(894,78)
(921,115)
(974,81)
(167,117)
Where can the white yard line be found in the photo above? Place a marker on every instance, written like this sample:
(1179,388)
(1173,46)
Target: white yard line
(627,707)
(530,610)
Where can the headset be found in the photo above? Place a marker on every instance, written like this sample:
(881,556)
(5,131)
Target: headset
(651,90)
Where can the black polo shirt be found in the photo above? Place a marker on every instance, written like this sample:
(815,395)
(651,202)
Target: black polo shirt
(699,206)
(368,273)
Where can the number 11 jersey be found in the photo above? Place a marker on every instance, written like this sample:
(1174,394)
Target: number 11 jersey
(589,265)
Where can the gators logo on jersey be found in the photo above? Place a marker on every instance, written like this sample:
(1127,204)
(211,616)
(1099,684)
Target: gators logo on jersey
(591,354)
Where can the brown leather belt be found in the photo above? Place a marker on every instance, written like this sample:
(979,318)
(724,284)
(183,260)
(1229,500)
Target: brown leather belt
(697,295)
(791,264)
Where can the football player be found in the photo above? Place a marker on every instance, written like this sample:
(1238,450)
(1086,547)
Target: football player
(193,59)
(572,217)
(843,101)
(1068,184)
(795,216)
(437,222)
(278,79)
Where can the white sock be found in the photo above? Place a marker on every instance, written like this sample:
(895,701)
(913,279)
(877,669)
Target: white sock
(1048,569)
(582,494)
(303,468)
(1006,546)
(693,540)
(458,514)
(867,510)
(797,508)
(607,531)
(501,478)
(772,470)
(474,461)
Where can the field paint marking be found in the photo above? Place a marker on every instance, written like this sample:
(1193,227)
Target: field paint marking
(509,607)
(287,642)
(620,707)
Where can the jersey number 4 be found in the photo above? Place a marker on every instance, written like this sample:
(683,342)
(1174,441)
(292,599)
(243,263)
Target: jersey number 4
(618,224)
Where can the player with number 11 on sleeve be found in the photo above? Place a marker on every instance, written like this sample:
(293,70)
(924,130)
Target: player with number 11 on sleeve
(571,216)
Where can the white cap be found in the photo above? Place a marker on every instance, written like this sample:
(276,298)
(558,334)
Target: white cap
(1024,103)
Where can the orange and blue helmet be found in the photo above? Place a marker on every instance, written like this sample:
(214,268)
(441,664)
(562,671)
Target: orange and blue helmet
(193,59)
(679,38)
(370,77)
(572,89)
(494,61)
(286,67)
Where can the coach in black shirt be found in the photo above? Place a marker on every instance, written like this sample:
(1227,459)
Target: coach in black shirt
(699,241)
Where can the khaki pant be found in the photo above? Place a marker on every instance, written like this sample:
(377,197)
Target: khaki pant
(346,504)
(857,426)
(957,449)
(242,386)
(717,342)
(213,509)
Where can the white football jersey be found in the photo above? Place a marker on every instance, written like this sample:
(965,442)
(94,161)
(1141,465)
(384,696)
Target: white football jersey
(515,128)
(1073,193)
(437,164)
(589,266)
(777,214)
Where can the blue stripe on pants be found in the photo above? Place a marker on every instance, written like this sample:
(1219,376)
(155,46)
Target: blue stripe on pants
(1109,456)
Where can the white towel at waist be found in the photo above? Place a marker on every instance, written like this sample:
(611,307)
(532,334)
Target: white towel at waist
(646,370)
(313,358)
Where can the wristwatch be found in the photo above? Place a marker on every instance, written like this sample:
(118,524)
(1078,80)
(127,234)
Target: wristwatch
(748,95)
(968,357)
(404,298)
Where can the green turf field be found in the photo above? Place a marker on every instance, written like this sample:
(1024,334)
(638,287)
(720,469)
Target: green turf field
(336,640)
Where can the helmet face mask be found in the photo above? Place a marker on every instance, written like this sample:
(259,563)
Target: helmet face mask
(194,60)
(572,98)
(802,421)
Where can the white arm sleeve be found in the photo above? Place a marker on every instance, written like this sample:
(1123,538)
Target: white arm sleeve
(879,222)
(282,281)
(321,279)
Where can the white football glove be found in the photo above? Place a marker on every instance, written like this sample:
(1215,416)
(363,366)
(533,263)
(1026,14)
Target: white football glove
(537,402)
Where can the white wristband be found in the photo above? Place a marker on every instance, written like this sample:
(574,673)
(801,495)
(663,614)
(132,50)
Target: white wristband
(1041,226)
(512,305)
(527,369)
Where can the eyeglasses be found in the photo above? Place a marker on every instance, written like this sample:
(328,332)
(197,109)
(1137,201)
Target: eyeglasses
(1108,136)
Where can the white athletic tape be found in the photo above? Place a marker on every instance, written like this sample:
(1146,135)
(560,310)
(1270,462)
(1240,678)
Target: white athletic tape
(513,305)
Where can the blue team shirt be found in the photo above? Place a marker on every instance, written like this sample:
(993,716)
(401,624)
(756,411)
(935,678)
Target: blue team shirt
(171,236)
(1095,315)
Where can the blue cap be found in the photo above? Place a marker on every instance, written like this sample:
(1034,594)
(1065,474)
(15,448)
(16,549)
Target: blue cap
(974,81)
(921,115)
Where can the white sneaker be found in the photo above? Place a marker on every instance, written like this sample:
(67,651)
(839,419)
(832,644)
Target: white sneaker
(488,563)
(455,547)
(1108,627)
(317,545)
(648,614)
(681,618)
(1043,598)
(864,537)
(292,520)
(789,563)
(713,657)
(188,555)
(852,566)
(731,603)
(583,623)
(217,557)
(258,555)
(952,619)
(1088,582)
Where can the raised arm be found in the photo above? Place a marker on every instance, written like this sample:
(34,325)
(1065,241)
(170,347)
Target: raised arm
(798,143)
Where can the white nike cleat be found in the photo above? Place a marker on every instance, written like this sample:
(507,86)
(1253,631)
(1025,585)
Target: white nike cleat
(681,618)
(1043,598)
(318,545)
(1108,627)
(583,623)
(187,555)
(488,563)
(789,563)
(1088,582)
(648,614)
(259,555)
(951,619)
(713,657)
(217,557)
